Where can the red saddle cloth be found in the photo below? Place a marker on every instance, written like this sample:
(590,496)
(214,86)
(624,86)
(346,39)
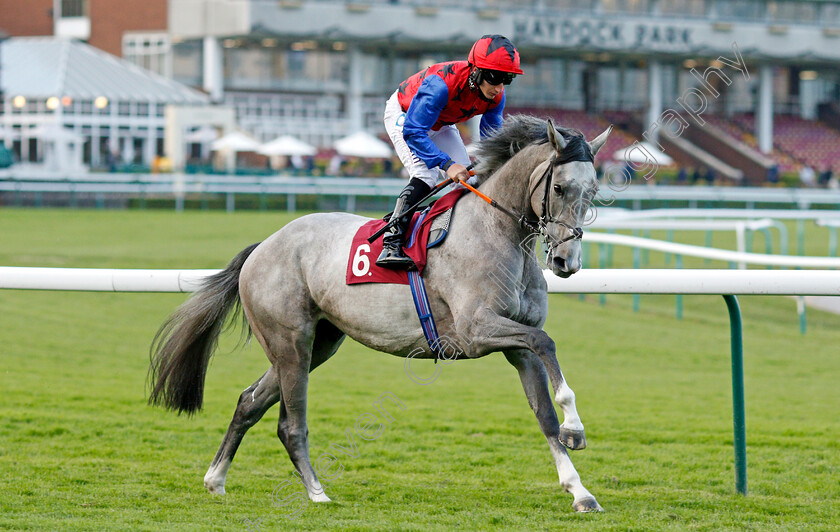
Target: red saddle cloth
(361,267)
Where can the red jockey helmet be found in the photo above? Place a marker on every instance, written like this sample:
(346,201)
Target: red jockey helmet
(495,52)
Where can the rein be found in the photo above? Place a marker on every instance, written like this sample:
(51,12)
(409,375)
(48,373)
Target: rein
(539,225)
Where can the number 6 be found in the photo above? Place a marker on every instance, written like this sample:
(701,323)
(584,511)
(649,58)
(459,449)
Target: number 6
(361,262)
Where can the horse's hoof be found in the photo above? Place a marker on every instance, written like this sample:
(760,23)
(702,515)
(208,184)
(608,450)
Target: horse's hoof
(214,488)
(573,439)
(588,504)
(319,497)
(214,482)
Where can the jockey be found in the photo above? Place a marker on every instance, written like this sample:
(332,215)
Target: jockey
(420,118)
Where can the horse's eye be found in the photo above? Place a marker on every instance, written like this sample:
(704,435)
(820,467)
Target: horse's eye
(558,189)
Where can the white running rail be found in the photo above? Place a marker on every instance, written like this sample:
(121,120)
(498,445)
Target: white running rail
(589,281)
(714,253)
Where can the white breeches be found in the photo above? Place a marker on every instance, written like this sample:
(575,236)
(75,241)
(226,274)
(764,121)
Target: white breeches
(447,138)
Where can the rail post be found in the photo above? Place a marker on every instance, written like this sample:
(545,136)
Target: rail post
(738,416)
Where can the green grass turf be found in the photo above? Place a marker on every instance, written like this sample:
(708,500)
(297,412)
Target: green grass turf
(80,449)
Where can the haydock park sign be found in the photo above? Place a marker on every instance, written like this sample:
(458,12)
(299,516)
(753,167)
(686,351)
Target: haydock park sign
(671,35)
(606,34)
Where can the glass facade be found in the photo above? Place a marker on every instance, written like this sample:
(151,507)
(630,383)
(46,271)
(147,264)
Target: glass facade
(186,62)
(692,8)
(252,66)
(625,6)
(739,9)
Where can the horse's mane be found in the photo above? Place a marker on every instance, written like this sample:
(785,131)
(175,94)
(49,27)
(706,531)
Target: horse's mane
(519,131)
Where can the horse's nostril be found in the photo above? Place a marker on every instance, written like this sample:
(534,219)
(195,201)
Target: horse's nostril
(559,263)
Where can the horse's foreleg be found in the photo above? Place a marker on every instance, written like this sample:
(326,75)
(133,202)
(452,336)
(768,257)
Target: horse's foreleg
(535,383)
(491,333)
(252,405)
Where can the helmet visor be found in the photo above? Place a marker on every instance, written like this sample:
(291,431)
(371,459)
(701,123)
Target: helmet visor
(495,77)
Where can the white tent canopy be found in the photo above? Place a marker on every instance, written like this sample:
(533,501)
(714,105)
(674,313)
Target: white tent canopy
(286,145)
(362,144)
(643,152)
(235,141)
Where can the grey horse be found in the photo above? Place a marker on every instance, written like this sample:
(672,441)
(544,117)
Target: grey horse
(295,301)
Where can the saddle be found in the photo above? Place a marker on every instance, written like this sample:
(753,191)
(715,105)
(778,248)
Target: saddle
(428,229)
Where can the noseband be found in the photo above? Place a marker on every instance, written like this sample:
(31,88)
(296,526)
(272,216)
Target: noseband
(545,218)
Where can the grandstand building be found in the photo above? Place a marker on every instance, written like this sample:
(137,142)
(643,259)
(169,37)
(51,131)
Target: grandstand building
(741,85)
(321,69)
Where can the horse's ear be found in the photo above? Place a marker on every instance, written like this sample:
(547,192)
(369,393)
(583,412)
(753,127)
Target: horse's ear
(599,141)
(556,139)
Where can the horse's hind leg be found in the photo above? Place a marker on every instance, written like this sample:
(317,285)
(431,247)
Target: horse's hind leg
(253,404)
(294,375)
(292,429)
(255,401)
(534,379)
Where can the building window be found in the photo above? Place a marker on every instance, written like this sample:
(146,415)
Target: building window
(151,51)
(739,9)
(624,6)
(580,5)
(248,66)
(830,14)
(791,11)
(74,8)
(695,8)
(186,63)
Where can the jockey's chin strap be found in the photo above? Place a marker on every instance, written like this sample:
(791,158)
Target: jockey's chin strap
(539,225)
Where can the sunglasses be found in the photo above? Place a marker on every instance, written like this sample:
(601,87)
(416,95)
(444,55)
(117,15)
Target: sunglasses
(494,77)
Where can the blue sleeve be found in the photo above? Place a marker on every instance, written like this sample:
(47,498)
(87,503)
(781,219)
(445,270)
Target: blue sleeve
(492,119)
(432,96)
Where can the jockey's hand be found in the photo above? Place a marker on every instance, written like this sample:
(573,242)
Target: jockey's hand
(457,173)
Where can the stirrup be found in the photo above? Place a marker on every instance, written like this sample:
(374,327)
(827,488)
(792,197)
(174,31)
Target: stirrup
(396,263)
(393,258)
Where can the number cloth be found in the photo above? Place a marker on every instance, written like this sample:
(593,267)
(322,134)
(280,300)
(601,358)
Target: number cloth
(360,261)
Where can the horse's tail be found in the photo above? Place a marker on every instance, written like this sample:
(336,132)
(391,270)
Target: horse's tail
(181,349)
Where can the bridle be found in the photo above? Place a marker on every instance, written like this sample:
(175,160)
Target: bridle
(540,225)
(545,217)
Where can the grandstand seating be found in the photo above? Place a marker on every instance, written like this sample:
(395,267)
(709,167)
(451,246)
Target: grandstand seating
(809,141)
(590,125)
(733,129)
(796,141)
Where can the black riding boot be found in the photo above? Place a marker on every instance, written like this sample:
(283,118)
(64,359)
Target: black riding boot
(392,255)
